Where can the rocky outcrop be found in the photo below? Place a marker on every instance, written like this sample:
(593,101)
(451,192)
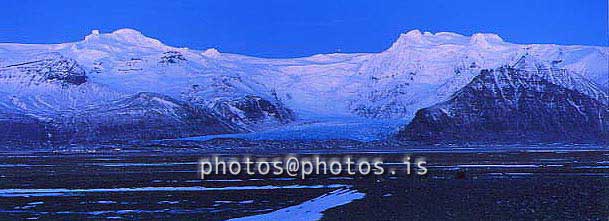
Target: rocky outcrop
(143,116)
(519,103)
(45,68)
(41,83)
(139,117)
(254,112)
(172,57)
(35,112)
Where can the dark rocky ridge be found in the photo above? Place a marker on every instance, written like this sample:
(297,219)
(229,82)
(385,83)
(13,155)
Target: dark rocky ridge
(139,117)
(172,57)
(517,104)
(46,68)
(142,116)
(253,112)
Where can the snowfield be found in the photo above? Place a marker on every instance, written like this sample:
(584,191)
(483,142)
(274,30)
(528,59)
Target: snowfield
(248,94)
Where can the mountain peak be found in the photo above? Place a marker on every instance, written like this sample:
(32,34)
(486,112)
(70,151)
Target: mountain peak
(417,38)
(211,52)
(127,32)
(413,37)
(485,39)
(414,33)
(125,36)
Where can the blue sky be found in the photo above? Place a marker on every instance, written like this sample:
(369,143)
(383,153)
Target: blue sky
(285,28)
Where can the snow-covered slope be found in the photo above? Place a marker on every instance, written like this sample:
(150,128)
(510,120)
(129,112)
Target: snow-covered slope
(141,116)
(250,93)
(418,70)
(527,101)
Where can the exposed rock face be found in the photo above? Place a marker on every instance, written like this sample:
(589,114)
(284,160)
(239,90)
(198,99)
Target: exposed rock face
(142,116)
(65,70)
(139,117)
(45,84)
(45,68)
(526,102)
(42,120)
(43,106)
(254,112)
(172,57)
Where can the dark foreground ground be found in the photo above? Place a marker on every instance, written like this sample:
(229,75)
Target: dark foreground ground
(466,184)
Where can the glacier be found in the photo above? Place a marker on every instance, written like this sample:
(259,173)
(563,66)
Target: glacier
(75,89)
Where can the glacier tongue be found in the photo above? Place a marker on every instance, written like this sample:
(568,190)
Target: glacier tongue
(418,70)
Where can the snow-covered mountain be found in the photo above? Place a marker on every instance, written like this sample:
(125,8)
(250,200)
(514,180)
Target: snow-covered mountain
(527,101)
(248,94)
(418,70)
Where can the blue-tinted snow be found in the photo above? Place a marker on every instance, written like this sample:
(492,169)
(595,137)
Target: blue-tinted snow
(325,129)
(311,209)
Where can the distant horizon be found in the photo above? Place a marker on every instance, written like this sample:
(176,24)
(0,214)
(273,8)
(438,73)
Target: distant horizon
(97,31)
(277,29)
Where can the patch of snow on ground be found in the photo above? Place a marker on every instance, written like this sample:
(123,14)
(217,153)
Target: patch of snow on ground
(310,210)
